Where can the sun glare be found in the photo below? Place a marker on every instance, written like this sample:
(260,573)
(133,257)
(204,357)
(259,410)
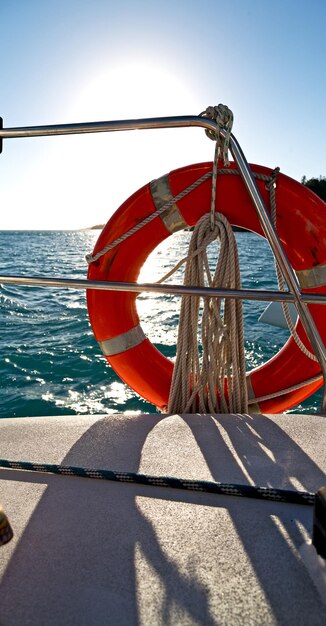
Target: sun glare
(135,89)
(80,180)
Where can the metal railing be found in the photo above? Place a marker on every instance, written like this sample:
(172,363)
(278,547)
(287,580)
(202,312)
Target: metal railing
(294,295)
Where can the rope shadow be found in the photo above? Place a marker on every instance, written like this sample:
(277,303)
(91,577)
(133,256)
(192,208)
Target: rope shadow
(110,594)
(83,508)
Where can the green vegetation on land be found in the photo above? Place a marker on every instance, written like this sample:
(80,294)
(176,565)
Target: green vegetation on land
(317,185)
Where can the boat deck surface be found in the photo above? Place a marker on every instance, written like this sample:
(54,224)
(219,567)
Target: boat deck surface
(92,552)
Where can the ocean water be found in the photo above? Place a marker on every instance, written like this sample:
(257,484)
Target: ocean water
(50,362)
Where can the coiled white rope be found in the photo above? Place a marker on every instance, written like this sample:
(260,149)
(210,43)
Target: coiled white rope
(216,383)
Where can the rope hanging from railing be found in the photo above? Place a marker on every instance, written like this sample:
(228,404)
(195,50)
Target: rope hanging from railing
(223,117)
(198,384)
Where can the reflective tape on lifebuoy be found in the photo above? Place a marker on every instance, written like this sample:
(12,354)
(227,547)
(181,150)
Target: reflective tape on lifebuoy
(301,226)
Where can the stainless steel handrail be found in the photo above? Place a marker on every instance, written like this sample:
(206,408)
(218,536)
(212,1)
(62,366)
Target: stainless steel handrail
(150,123)
(249,181)
(259,295)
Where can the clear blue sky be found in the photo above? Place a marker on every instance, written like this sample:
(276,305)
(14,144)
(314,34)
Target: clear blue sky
(66,61)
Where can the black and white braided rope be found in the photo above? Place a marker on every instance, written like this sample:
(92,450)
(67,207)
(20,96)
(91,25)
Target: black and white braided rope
(204,486)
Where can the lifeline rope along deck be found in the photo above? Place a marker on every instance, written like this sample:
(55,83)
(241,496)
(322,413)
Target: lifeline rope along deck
(205,486)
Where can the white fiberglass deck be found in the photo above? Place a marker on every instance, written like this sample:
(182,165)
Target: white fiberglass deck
(93,552)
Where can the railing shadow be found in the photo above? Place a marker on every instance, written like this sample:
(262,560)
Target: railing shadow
(76,562)
(254,449)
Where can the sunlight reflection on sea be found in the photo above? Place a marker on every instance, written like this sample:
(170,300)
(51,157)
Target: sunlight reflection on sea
(50,362)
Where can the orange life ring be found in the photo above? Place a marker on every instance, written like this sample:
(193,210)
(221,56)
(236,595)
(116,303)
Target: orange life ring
(301,226)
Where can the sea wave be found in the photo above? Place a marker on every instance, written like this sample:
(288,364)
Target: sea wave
(50,363)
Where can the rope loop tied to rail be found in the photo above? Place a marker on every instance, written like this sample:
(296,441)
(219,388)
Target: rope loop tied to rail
(223,116)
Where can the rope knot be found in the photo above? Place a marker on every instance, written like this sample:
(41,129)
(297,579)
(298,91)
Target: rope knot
(223,117)
(272,181)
